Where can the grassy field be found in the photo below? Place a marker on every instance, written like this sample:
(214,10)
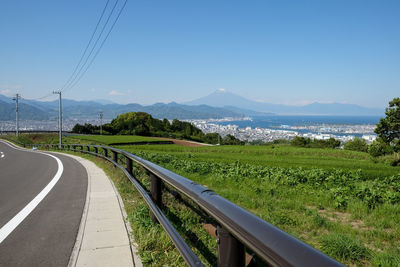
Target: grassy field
(277,156)
(340,202)
(81,139)
(109,139)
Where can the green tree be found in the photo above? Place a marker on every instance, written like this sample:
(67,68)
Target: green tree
(332,143)
(231,140)
(379,148)
(388,128)
(300,141)
(357,144)
(212,138)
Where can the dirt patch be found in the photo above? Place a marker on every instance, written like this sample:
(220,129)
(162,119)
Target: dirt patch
(344,218)
(182,142)
(341,217)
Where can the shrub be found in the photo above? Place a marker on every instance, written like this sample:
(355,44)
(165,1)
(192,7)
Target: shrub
(316,143)
(379,148)
(300,141)
(357,144)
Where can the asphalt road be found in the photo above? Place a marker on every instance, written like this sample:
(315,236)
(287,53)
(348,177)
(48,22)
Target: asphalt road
(46,235)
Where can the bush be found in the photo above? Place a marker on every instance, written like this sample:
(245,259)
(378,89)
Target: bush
(231,140)
(316,143)
(357,144)
(300,141)
(379,148)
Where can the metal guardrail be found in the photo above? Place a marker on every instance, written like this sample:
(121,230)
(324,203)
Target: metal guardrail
(237,228)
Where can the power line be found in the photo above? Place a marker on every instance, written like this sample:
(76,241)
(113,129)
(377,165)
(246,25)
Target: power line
(39,98)
(87,46)
(98,50)
(80,74)
(76,76)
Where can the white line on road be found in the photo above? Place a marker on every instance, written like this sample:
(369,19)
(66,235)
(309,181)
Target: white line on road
(1,155)
(14,222)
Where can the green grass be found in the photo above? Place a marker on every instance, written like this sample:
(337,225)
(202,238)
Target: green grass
(344,247)
(80,139)
(344,213)
(109,139)
(277,156)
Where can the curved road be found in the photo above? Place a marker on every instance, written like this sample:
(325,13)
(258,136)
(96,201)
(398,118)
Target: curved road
(41,205)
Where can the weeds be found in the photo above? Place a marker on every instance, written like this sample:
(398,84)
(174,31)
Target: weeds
(344,247)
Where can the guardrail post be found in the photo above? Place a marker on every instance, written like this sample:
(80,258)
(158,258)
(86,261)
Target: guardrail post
(129,165)
(230,251)
(96,150)
(105,152)
(88,148)
(115,156)
(156,193)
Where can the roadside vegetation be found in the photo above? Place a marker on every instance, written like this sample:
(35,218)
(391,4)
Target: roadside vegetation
(110,139)
(352,215)
(81,139)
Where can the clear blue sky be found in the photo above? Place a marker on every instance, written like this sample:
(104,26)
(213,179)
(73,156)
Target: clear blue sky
(289,52)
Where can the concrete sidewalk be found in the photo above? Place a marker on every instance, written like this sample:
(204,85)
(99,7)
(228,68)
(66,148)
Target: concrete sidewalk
(103,238)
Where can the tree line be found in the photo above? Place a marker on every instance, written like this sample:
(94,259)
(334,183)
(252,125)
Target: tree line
(143,124)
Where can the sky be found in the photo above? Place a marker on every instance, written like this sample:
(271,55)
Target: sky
(286,52)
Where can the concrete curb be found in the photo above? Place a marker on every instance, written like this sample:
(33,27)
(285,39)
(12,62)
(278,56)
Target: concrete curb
(75,251)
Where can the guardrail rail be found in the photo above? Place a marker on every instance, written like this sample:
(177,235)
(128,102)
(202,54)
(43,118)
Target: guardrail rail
(236,228)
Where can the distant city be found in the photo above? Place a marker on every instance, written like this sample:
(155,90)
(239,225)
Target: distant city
(342,132)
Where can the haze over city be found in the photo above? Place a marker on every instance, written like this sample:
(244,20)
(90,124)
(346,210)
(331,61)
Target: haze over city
(292,52)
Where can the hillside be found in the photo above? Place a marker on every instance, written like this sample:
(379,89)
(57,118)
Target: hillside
(26,112)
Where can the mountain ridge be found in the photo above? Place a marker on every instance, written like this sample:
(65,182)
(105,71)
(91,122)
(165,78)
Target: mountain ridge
(218,104)
(223,98)
(90,110)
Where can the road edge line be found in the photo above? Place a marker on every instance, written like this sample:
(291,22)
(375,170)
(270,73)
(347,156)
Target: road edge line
(12,224)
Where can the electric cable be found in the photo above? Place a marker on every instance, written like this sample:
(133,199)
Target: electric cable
(98,50)
(88,44)
(78,74)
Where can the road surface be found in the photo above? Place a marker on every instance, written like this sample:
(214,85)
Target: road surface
(42,197)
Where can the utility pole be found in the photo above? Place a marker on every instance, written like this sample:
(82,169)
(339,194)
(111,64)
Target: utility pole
(17,96)
(59,117)
(101,122)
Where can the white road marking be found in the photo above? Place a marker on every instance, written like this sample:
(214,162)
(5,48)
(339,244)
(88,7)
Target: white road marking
(1,155)
(14,222)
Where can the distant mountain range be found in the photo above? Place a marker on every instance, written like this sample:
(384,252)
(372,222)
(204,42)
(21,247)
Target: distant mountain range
(225,99)
(40,110)
(219,104)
